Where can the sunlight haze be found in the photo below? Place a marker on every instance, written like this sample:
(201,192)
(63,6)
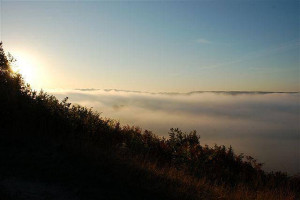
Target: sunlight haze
(150,99)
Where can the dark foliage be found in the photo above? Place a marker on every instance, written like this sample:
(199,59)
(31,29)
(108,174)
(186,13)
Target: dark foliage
(27,112)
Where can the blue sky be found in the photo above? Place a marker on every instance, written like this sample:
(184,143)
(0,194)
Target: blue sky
(174,46)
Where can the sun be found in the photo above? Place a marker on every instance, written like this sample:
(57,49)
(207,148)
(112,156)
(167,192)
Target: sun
(25,66)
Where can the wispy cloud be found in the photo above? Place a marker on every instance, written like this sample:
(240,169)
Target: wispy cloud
(258,54)
(203,41)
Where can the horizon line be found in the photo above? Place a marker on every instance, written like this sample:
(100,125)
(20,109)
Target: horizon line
(191,92)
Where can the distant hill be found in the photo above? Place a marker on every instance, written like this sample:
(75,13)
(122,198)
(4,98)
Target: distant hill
(51,149)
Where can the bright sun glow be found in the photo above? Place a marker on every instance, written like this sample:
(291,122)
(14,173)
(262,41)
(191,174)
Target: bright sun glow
(25,67)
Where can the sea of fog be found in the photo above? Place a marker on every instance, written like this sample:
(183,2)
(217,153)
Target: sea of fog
(263,125)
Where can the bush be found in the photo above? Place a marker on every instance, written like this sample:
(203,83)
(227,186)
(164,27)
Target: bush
(23,108)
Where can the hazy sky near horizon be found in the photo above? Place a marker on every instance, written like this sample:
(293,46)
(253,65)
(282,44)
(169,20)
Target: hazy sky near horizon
(155,46)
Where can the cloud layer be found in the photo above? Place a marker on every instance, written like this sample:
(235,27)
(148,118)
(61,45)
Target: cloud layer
(203,41)
(261,124)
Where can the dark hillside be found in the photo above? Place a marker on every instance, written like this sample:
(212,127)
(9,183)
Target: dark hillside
(45,155)
(55,150)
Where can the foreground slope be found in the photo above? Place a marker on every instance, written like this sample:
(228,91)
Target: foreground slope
(54,150)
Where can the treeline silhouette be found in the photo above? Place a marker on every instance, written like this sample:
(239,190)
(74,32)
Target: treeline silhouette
(177,167)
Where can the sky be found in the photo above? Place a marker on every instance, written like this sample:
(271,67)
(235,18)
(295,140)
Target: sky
(155,46)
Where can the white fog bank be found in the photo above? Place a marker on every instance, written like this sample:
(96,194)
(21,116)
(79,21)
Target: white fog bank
(263,125)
